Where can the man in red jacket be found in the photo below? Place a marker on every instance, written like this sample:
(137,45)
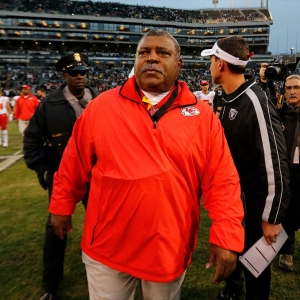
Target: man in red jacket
(25,107)
(150,150)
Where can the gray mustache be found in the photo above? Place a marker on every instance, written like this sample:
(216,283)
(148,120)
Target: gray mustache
(152,67)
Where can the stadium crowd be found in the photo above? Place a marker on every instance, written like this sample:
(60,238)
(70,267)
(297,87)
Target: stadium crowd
(112,9)
(100,79)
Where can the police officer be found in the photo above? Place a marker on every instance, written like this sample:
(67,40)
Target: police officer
(44,142)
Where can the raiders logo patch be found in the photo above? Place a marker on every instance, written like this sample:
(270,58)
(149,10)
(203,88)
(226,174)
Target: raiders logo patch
(232,113)
(190,111)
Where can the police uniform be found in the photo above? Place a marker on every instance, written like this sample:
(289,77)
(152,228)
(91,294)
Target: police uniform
(53,122)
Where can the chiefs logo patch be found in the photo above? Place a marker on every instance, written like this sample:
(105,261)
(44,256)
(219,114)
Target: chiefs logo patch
(190,111)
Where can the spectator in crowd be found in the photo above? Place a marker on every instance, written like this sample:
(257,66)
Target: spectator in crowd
(5,110)
(44,142)
(257,145)
(290,118)
(291,123)
(41,94)
(142,223)
(205,94)
(24,108)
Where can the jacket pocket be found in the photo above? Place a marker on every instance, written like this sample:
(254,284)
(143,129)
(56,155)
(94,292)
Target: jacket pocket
(93,233)
(59,141)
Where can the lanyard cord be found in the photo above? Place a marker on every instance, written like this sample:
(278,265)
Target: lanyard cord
(158,114)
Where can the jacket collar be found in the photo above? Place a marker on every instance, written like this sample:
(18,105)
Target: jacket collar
(185,97)
(241,90)
(290,109)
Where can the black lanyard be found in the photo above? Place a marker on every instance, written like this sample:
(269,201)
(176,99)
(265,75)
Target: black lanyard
(158,114)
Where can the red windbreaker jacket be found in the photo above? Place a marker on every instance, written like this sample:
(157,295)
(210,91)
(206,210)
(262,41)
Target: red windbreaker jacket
(146,180)
(25,107)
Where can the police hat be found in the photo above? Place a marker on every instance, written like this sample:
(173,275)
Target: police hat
(71,62)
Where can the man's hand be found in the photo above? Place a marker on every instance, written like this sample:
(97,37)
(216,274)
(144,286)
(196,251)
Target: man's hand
(40,171)
(226,262)
(262,70)
(17,121)
(61,225)
(271,232)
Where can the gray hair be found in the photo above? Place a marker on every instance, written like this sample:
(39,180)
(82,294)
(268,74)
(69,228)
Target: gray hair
(161,32)
(293,76)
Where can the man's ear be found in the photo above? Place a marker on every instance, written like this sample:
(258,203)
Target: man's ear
(221,64)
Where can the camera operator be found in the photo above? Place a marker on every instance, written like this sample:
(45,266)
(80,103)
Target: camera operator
(290,118)
(268,85)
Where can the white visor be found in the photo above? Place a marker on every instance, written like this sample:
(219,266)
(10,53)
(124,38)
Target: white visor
(217,51)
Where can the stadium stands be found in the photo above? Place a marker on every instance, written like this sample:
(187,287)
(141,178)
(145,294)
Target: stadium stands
(34,34)
(112,9)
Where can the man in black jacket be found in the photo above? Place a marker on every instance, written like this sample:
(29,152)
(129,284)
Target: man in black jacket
(290,118)
(45,139)
(254,134)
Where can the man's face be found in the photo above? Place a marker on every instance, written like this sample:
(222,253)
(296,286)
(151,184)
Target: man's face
(25,91)
(157,64)
(214,69)
(292,92)
(76,81)
(205,88)
(39,93)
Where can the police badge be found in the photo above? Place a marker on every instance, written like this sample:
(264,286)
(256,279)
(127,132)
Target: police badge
(77,57)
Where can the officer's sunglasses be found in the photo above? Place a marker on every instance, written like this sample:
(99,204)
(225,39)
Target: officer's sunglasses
(74,73)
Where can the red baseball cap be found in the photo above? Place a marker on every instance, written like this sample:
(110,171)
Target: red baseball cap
(25,86)
(204,82)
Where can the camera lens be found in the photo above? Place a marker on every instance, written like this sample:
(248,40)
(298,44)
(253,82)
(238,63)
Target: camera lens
(272,72)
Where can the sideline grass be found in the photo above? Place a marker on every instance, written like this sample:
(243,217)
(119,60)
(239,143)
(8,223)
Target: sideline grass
(23,215)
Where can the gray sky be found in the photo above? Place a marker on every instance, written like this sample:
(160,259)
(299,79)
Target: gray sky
(285,31)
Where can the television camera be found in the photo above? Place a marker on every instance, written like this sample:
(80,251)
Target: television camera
(277,70)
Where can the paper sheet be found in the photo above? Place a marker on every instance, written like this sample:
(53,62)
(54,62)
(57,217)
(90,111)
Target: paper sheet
(260,255)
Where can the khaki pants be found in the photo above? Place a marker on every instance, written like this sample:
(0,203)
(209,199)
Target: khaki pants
(108,284)
(22,126)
